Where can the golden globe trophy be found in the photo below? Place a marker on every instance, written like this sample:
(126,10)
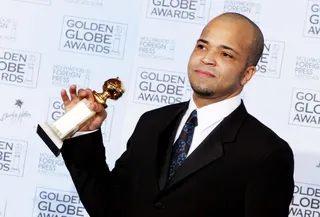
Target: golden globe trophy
(69,123)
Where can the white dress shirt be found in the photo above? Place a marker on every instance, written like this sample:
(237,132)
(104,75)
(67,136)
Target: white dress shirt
(208,118)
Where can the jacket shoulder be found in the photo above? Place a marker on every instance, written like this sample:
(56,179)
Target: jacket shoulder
(260,132)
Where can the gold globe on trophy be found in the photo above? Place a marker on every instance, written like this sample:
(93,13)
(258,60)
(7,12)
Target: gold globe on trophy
(69,123)
(112,89)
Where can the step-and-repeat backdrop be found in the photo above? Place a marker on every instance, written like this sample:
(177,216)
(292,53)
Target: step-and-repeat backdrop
(47,45)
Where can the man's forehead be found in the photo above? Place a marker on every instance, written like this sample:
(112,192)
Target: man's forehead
(220,22)
(240,29)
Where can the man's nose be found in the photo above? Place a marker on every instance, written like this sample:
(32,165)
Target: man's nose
(209,59)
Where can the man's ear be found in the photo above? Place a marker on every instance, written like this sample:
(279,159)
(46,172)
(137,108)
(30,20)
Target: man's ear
(247,75)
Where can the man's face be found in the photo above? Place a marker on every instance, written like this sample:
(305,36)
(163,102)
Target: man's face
(218,64)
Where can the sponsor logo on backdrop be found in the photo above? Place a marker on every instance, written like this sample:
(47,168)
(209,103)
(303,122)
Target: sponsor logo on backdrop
(191,11)
(19,68)
(64,76)
(156,48)
(312,21)
(270,62)
(16,114)
(306,200)
(98,3)
(247,8)
(12,156)
(307,68)
(8,28)
(305,108)
(93,37)
(52,165)
(56,110)
(42,2)
(51,202)
(158,87)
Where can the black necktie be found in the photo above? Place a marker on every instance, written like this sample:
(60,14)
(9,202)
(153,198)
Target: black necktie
(181,146)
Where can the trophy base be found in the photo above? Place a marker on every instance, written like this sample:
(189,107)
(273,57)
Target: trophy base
(50,138)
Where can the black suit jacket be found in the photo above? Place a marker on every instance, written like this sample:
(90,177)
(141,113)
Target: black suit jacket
(242,169)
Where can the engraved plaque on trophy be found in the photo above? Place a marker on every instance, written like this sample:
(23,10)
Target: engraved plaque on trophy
(74,119)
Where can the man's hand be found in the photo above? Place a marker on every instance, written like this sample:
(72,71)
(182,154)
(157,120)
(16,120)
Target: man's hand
(96,121)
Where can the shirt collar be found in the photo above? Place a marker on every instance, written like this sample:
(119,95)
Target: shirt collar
(211,114)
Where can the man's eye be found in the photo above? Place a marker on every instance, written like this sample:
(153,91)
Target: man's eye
(226,55)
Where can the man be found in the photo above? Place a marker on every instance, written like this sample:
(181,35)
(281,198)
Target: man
(207,157)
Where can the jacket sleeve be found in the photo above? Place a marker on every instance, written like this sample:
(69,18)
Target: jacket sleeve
(270,189)
(100,190)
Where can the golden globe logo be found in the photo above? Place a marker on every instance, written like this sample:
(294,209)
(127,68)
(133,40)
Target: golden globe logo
(157,87)
(305,108)
(19,68)
(305,201)
(50,202)
(192,11)
(93,37)
(12,156)
(312,20)
(270,62)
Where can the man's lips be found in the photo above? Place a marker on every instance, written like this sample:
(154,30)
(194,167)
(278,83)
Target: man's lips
(204,73)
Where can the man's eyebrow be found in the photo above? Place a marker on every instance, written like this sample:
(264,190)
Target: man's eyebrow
(221,46)
(203,41)
(229,48)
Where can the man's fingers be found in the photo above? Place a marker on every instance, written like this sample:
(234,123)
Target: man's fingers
(90,94)
(99,108)
(65,97)
(82,93)
(73,92)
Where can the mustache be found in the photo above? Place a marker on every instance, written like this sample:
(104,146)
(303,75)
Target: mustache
(208,71)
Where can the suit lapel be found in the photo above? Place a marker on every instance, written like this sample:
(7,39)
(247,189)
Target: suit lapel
(208,151)
(165,141)
(211,148)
